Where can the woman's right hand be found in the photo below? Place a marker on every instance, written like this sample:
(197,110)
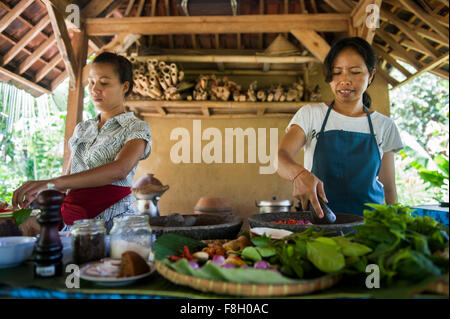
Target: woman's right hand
(306,188)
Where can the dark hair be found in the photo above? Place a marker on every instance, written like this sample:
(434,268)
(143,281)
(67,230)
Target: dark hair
(359,45)
(121,65)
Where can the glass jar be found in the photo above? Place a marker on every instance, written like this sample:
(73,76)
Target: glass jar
(88,240)
(131,233)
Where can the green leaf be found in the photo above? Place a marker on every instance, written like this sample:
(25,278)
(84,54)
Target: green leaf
(442,163)
(266,251)
(326,258)
(251,253)
(351,249)
(238,275)
(172,244)
(21,215)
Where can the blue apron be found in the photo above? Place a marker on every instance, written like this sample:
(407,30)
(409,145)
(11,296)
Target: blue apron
(348,164)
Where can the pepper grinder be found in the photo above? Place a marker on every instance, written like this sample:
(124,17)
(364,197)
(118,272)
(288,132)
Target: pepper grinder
(48,251)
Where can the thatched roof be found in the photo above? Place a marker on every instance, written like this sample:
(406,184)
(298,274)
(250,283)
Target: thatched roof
(413,31)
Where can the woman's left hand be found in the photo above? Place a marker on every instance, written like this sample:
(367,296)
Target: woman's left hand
(26,193)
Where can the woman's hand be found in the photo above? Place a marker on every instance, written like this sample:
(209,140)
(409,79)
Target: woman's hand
(26,193)
(306,188)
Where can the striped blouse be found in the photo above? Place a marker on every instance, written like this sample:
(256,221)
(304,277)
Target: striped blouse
(91,147)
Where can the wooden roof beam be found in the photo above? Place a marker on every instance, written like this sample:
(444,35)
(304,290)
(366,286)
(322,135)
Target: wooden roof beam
(63,41)
(359,17)
(313,42)
(231,58)
(24,81)
(95,7)
(403,27)
(380,51)
(50,66)
(326,22)
(414,8)
(429,67)
(399,49)
(36,54)
(14,13)
(26,39)
(339,6)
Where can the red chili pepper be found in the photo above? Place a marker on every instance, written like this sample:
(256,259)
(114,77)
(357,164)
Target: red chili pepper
(187,254)
(174,258)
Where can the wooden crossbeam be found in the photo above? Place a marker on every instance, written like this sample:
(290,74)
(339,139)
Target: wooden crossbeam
(24,81)
(429,67)
(28,62)
(388,78)
(326,22)
(50,66)
(26,39)
(244,72)
(63,41)
(95,7)
(421,14)
(399,49)
(380,51)
(14,13)
(231,58)
(339,6)
(313,42)
(403,27)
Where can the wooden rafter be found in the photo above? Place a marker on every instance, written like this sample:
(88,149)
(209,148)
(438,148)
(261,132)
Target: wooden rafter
(63,41)
(339,6)
(429,67)
(231,58)
(380,51)
(95,7)
(399,49)
(26,39)
(14,13)
(50,66)
(28,62)
(359,15)
(403,27)
(24,81)
(327,22)
(414,8)
(313,42)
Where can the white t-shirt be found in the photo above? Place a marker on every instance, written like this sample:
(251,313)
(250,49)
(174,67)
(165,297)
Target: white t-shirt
(310,118)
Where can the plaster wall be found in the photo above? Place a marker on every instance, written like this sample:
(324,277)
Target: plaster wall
(240,183)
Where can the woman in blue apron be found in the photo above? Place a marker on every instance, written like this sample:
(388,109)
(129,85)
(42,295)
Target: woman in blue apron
(349,150)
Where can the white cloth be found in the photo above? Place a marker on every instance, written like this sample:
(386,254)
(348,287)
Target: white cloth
(91,147)
(310,118)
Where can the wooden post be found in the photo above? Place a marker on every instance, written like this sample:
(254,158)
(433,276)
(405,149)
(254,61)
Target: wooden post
(75,98)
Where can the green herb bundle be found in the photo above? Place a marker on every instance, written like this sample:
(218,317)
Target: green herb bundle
(405,247)
(310,254)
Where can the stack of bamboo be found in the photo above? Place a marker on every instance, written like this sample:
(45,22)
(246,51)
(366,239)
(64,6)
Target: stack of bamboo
(157,80)
(209,87)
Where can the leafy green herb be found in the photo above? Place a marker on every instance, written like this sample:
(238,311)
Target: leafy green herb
(402,245)
(21,215)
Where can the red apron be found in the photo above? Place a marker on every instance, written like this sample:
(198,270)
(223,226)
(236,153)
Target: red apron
(87,203)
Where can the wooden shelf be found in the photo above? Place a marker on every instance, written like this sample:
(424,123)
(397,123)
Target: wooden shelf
(213,109)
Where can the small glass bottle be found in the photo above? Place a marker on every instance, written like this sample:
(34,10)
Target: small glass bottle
(88,240)
(131,233)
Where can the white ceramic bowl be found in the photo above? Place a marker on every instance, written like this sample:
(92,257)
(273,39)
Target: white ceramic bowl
(15,250)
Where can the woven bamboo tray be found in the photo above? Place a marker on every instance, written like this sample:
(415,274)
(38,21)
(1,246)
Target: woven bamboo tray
(251,290)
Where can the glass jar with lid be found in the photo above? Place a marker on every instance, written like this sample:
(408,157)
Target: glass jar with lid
(88,240)
(131,233)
